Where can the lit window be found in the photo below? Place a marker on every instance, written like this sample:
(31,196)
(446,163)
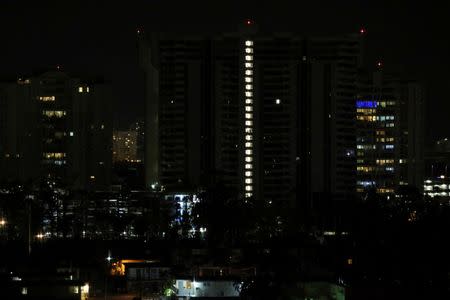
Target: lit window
(248,152)
(249,57)
(248,180)
(248,166)
(248,145)
(87,89)
(71,133)
(92,177)
(249,116)
(249,86)
(47,98)
(80,89)
(248,159)
(248,101)
(248,173)
(248,72)
(248,108)
(248,50)
(248,130)
(54,113)
(248,79)
(248,94)
(248,188)
(248,137)
(277,101)
(248,123)
(249,65)
(248,43)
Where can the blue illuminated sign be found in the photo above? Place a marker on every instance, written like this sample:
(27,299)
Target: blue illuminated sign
(366,104)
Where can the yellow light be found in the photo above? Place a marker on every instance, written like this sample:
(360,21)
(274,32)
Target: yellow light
(2,222)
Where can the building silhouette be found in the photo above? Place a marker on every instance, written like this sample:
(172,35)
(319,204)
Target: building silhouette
(56,126)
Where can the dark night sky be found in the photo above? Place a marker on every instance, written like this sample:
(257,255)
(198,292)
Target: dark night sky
(99,38)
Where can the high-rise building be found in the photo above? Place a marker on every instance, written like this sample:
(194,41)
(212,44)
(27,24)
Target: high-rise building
(58,126)
(390,133)
(271,116)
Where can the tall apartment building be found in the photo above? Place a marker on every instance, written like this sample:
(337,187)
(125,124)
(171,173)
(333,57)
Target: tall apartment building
(269,115)
(390,117)
(58,126)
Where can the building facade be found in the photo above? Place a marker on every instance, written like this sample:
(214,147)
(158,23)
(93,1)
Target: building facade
(55,126)
(259,113)
(390,133)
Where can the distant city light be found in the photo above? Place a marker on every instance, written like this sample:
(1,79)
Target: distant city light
(362,31)
(248,22)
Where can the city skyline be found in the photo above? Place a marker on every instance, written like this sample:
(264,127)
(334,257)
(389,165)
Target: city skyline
(407,39)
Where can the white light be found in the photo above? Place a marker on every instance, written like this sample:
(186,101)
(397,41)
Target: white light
(248,166)
(248,43)
(248,108)
(249,57)
(248,72)
(249,86)
(248,79)
(248,137)
(248,65)
(248,123)
(248,94)
(248,101)
(248,50)
(248,173)
(248,159)
(248,188)
(248,180)
(80,89)
(248,195)
(249,116)
(248,145)
(277,101)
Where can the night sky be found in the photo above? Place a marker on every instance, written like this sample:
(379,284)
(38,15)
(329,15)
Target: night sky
(99,38)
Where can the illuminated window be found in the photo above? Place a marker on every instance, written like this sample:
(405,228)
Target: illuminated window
(249,116)
(248,50)
(248,188)
(57,155)
(248,65)
(248,79)
(248,152)
(248,94)
(248,173)
(248,130)
(87,89)
(248,145)
(248,123)
(248,137)
(54,113)
(80,89)
(248,43)
(248,108)
(71,133)
(248,180)
(277,101)
(249,86)
(248,101)
(46,98)
(248,159)
(248,72)
(248,57)
(248,166)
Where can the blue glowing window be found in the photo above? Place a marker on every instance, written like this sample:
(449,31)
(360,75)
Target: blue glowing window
(366,104)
